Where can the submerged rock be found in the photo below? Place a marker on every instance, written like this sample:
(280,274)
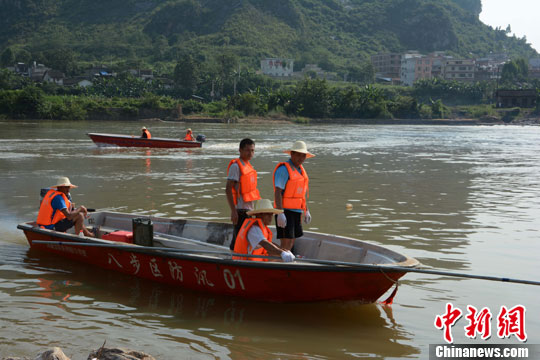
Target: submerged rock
(55,354)
(100,354)
(118,354)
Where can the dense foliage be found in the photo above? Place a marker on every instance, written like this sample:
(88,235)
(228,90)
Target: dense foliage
(338,35)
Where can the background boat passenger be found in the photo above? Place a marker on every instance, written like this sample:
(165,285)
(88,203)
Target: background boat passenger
(145,134)
(290,194)
(56,211)
(189,135)
(241,188)
(255,238)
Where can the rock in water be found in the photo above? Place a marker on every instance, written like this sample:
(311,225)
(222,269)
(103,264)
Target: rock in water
(118,354)
(55,354)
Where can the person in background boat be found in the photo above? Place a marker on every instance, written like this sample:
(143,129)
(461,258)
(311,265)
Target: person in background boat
(241,188)
(189,135)
(56,211)
(255,238)
(145,134)
(290,194)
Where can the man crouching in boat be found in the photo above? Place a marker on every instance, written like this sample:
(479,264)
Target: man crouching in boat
(255,238)
(56,211)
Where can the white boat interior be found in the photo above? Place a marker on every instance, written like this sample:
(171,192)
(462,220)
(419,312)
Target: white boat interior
(202,235)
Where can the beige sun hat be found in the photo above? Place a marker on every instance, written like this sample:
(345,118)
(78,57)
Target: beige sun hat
(188,129)
(264,206)
(64,181)
(143,128)
(301,147)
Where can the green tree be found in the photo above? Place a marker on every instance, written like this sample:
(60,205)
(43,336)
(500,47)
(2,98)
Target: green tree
(227,63)
(186,75)
(11,81)
(62,59)
(29,102)
(7,58)
(515,71)
(311,98)
(363,73)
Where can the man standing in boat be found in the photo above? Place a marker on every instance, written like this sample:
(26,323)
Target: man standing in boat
(241,188)
(290,194)
(145,134)
(255,238)
(56,211)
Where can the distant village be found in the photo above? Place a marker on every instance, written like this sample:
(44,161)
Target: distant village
(41,73)
(406,68)
(389,68)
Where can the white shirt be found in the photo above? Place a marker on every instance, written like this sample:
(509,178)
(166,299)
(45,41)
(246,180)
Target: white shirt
(234,174)
(255,236)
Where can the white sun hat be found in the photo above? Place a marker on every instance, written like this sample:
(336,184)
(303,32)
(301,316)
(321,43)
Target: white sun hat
(64,181)
(143,128)
(264,206)
(300,147)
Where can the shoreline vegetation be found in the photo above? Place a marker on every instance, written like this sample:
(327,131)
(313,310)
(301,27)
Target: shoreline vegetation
(308,101)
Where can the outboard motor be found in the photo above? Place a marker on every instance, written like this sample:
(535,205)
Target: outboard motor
(200,138)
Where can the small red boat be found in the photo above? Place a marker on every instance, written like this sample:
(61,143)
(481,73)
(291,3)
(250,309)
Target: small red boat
(134,141)
(195,255)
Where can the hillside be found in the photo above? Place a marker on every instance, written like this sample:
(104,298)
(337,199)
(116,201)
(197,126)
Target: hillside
(333,33)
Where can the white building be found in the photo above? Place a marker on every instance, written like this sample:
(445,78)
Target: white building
(277,67)
(408,70)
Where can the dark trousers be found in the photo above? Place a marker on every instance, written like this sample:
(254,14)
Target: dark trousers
(242,215)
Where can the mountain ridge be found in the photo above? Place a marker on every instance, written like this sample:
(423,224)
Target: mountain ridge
(331,33)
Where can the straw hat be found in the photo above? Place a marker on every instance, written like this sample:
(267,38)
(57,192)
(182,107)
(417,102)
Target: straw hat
(188,130)
(264,206)
(143,128)
(301,147)
(64,181)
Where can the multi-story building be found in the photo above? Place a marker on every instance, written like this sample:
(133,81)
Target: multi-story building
(459,70)
(277,67)
(387,65)
(415,67)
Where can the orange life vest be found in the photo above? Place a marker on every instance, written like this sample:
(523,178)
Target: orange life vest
(189,137)
(248,182)
(242,245)
(297,188)
(47,215)
(148,136)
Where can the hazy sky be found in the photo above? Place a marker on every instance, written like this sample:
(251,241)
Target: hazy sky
(522,15)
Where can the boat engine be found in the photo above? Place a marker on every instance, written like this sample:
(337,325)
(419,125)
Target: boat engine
(200,138)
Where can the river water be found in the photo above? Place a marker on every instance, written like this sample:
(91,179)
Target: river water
(463,199)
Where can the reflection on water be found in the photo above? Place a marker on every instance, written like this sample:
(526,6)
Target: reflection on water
(78,297)
(456,198)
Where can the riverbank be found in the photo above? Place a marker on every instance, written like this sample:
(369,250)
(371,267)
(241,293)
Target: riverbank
(527,119)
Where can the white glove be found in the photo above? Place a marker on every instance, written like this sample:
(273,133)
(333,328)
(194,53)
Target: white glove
(287,256)
(281,220)
(307,217)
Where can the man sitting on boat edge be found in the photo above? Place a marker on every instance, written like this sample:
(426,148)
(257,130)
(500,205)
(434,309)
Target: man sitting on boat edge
(255,238)
(56,211)
(145,134)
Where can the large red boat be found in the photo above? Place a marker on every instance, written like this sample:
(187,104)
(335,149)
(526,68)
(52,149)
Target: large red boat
(134,141)
(195,255)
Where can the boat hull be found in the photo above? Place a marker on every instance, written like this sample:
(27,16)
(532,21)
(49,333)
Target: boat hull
(265,281)
(132,141)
